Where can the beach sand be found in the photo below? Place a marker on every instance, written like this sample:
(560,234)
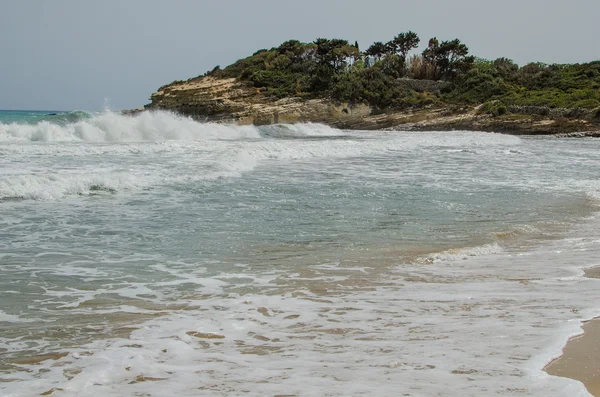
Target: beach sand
(581,358)
(581,355)
(593,272)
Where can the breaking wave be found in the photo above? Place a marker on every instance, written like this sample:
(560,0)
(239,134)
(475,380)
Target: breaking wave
(63,118)
(304,130)
(463,253)
(110,153)
(114,127)
(49,187)
(160,126)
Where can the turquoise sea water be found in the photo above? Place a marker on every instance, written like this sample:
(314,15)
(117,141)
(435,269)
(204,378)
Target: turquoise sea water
(38,116)
(160,256)
(23,116)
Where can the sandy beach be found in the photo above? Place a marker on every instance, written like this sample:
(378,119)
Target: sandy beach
(581,357)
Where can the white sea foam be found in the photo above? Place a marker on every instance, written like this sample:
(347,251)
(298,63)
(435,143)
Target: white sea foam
(11,318)
(160,126)
(200,151)
(54,186)
(313,129)
(113,127)
(481,329)
(464,253)
(301,130)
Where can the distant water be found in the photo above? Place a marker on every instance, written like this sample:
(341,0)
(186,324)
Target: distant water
(154,255)
(33,117)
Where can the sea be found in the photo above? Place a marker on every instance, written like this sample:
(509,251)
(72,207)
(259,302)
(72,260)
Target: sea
(154,255)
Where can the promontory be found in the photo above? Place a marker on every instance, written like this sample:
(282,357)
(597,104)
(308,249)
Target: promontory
(389,86)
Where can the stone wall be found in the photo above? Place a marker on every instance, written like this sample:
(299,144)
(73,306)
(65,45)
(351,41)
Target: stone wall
(545,111)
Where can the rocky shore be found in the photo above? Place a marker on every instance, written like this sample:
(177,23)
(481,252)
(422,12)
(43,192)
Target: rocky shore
(228,100)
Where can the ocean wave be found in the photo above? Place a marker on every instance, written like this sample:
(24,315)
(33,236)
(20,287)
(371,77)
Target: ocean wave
(111,153)
(49,187)
(60,184)
(517,232)
(156,126)
(462,253)
(301,130)
(114,127)
(62,118)
(593,196)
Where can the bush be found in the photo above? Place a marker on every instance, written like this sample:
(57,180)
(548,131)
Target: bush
(494,108)
(278,84)
(378,89)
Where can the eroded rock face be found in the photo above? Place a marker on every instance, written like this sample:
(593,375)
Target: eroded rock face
(231,101)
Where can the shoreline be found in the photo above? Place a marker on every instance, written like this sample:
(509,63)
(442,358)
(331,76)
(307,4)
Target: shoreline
(580,358)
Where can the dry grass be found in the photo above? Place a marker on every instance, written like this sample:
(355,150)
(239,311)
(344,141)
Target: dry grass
(418,68)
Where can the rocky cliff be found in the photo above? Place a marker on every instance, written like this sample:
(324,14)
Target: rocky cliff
(229,100)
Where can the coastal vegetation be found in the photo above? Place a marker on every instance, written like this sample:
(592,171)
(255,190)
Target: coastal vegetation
(388,76)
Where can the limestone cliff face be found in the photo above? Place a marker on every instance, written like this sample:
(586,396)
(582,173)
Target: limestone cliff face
(229,100)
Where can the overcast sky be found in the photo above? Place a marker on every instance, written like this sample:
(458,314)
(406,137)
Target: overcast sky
(83,54)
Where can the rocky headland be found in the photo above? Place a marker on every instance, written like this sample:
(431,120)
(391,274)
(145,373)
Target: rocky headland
(331,81)
(228,100)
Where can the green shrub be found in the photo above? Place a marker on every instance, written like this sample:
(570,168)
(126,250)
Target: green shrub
(494,108)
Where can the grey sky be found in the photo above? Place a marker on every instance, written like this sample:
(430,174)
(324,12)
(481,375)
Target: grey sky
(72,54)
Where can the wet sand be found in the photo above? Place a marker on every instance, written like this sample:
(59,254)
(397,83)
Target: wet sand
(581,355)
(593,272)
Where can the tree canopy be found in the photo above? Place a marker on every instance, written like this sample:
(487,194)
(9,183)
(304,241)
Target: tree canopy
(337,69)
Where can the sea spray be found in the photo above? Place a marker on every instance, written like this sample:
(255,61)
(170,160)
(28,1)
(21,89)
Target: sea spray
(114,127)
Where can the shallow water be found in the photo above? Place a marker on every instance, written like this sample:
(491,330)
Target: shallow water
(159,256)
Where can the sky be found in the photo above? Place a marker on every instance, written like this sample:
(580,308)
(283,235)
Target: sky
(91,54)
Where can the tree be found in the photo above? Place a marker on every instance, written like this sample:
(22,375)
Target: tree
(456,58)
(448,58)
(376,50)
(345,55)
(397,51)
(332,52)
(331,57)
(289,46)
(393,66)
(431,56)
(505,67)
(403,43)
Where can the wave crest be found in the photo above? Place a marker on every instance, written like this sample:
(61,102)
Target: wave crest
(456,254)
(115,127)
(302,130)
(50,187)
